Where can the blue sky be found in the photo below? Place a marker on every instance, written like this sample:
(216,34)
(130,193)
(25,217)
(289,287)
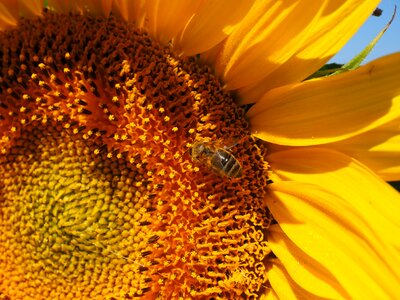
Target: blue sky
(389,43)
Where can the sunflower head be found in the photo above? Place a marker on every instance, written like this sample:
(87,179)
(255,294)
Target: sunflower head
(101,195)
(129,168)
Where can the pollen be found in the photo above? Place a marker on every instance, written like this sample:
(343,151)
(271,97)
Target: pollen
(100,197)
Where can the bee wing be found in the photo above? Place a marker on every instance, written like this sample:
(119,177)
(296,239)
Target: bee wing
(232,142)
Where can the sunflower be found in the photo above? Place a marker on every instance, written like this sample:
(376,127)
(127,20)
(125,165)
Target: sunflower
(173,150)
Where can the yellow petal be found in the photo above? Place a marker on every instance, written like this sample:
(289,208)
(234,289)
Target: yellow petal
(346,178)
(8,14)
(378,149)
(211,25)
(64,5)
(98,7)
(269,295)
(338,23)
(332,108)
(30,8)
(334,234)
(301,272)
(280,283)
(11,10)
(273,32)
(130,10)
(269,34)
(164,19)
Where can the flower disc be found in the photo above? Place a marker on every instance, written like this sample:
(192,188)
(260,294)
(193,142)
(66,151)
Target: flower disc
(99,195)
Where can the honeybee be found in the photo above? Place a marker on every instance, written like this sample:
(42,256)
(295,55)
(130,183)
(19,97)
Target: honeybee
(220,160)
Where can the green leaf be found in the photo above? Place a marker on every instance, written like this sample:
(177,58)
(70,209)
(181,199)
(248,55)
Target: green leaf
(334,69)
(359,58)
